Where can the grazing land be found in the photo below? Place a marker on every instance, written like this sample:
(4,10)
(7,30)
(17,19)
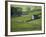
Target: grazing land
(21,18)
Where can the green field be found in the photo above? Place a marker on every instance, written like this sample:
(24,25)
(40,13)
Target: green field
(25,22)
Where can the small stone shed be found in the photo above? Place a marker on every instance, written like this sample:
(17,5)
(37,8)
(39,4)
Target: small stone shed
(34,17)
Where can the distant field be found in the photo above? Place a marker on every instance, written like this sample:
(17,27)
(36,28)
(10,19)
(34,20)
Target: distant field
(23,25)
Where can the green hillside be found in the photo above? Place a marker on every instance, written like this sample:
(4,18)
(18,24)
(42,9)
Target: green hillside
(25,22)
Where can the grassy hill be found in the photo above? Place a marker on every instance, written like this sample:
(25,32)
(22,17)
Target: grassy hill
(25,22)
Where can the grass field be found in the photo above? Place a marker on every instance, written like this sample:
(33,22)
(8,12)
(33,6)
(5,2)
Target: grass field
(21,23)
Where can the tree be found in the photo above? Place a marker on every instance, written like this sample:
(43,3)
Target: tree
(16,11)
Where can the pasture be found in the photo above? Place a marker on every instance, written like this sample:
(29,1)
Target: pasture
(24,22)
